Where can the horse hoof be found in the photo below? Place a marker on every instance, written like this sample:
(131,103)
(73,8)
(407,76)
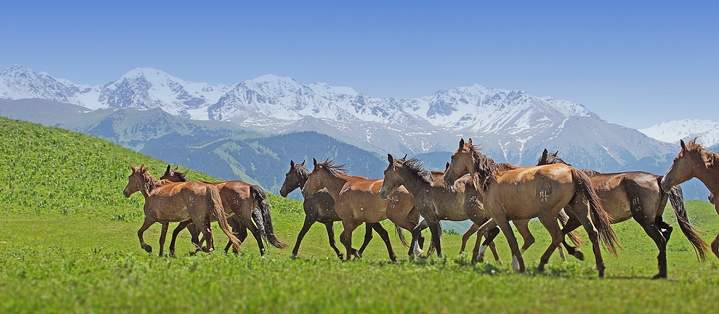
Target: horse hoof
(540,268)
(660,276)
(341,256)
(147,248)
(579,255)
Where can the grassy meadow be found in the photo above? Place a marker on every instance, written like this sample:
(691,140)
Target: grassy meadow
(69,244)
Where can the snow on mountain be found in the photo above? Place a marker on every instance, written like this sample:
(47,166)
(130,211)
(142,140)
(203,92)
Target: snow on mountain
(511,124)
(706,131)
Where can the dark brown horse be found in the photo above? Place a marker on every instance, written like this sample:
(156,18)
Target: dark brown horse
(242,199)
(525,193)
(695,161)
(167,201)
(318,207)
(638,195)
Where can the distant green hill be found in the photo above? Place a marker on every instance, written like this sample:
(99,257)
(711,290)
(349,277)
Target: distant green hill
(51,170)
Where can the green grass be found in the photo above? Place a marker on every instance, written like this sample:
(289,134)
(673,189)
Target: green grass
(69,244)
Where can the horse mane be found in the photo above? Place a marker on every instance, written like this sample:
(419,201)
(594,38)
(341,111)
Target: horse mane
(711,159)
(556,159)
(333,167)
(487,169)
(415,166)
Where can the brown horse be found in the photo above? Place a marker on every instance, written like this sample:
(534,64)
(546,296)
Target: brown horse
(167,201)
(638,195)
(318,207)
(237,196)
(357,201)
(525,193)
(695,161)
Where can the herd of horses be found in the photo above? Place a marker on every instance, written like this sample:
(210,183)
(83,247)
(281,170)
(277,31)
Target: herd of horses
(471,187)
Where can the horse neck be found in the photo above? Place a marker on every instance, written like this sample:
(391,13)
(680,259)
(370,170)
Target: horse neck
(150,185)
(335,182)
(413,182)
(710,177)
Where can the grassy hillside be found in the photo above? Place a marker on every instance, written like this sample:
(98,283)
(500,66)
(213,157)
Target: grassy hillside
(69,244)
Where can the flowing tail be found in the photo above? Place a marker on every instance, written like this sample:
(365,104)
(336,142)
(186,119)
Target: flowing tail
(215,203)
(563,218)
(400,235)
(676,198)
(600,218)
(261,198)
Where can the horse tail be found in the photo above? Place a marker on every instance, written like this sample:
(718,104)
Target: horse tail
(261,198)
(400,235)
(676,198)
(600,218)
(215,203)
(563,218)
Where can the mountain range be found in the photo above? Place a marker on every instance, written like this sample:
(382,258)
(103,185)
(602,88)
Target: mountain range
(235,128)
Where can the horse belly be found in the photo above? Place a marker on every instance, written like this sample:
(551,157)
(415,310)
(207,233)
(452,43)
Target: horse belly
(616,204)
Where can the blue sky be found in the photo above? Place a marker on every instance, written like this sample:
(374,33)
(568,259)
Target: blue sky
(632,62)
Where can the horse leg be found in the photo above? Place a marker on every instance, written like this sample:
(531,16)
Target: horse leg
(385,237)
(346,238)
(436,231)
(468,234)
(517,260)
(594,237)
(305,227)
(180,227)
(163,236)
(572,224)
(490,231)
(249,224)
(715,243)
(367,239)
(331,235)
(140,232)
(551,224)
(661,242)
(238,229)
(527,237)
(417,239)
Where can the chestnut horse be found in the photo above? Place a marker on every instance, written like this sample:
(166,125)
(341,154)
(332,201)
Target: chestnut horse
(695,161)
(638,195)
(167,201)
(237,196)
(357,201)
(525,193)
(318,207)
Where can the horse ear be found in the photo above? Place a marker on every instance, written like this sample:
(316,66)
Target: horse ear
(545,153)
(303,162)
(292,163)
(142,168)
(405,157)
(684,146)
(446,166)
(314,162)
(167,170)
(556,153)
(461,143)
(390,159)
(470,141)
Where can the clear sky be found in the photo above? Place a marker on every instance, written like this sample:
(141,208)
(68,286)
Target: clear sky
(632,62)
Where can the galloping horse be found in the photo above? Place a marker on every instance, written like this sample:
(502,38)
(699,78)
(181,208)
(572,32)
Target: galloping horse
(695,161)
(525,193)
(167,201)
(357,201)
(238,197)
(638,195)
(319,207)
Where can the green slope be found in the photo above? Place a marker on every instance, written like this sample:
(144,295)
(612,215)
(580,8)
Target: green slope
(51,170)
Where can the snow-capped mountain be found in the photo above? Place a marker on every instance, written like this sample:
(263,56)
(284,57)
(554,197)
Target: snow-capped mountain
(707,132)
(510,124)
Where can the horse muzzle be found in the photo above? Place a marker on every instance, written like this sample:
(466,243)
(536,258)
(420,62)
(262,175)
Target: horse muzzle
(126,193)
